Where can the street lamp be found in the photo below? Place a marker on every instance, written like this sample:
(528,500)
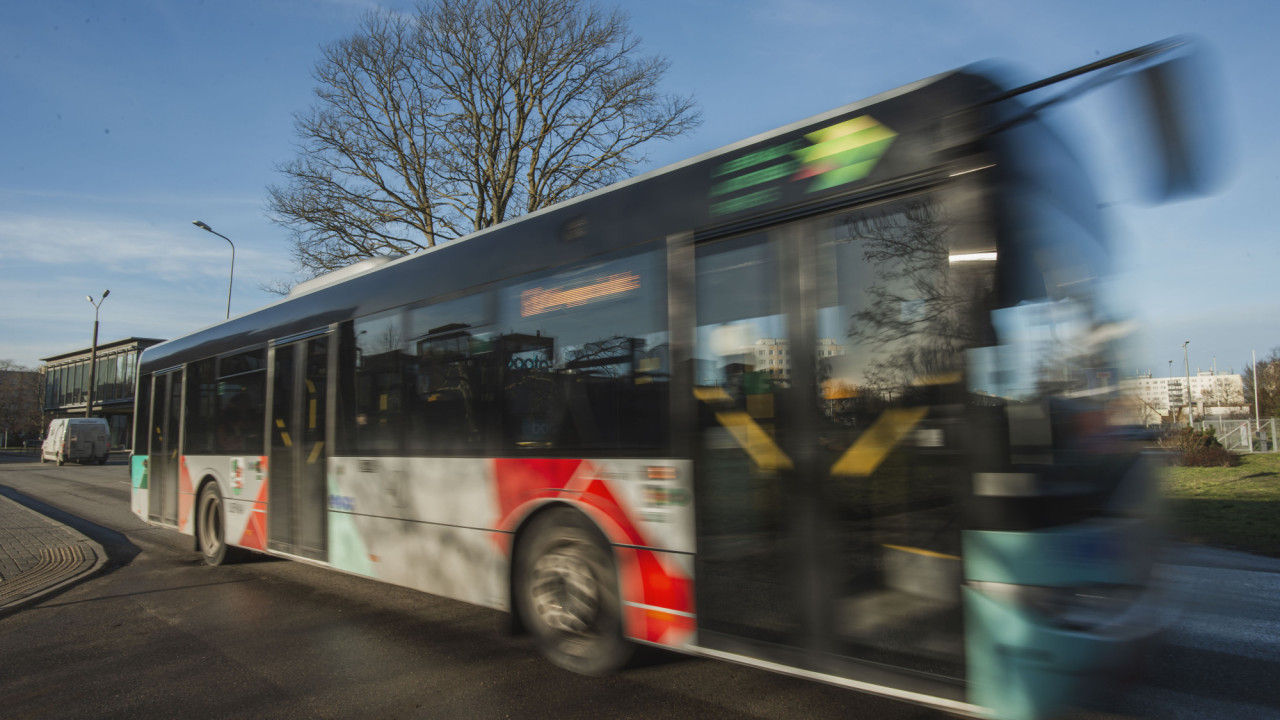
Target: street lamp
(1187,363)
(200,224)
(93,351)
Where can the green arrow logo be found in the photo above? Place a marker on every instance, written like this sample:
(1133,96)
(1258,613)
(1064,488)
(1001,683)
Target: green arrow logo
(835,155)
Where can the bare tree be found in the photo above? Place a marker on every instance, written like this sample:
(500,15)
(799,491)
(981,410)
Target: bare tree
(1268,382)
(21,399)
(465,114)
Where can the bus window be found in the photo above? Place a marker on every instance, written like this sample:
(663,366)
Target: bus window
(583,354)
(201,409)
(242,403)
(374,418)
(142,416)
(242,363)
(449,377)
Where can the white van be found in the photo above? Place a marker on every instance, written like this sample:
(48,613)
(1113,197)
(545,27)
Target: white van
(77,439)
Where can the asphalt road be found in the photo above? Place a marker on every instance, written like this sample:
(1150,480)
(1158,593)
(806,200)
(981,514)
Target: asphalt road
(160,633)
(1220,659)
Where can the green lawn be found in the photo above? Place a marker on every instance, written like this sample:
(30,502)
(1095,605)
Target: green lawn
(1237,508)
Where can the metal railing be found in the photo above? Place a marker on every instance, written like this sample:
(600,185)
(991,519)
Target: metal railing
(1245,435)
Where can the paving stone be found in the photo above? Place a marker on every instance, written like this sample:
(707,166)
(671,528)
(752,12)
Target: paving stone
(38,555)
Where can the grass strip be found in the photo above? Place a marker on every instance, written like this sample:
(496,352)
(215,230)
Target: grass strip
(1236,508)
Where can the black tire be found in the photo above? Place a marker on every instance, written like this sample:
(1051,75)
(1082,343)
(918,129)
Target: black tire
(566,586)
(61,460)
(210,520)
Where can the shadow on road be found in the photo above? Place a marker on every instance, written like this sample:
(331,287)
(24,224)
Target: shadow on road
(648,656)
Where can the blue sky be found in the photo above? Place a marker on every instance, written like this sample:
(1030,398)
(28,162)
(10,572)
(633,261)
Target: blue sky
(122,122)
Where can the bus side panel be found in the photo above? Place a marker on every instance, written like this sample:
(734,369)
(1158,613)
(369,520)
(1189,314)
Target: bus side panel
(1020,663)
(429,524)
(657,596)
(186,498)
(139,494)
(242,482)
(458,563)
(639,502)
(424,523)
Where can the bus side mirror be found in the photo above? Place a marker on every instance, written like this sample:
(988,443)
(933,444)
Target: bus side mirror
(1183,138)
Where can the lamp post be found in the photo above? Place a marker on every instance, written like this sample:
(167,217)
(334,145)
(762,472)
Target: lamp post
(200,224)
(1187,364)
(1257,416)
(93,350)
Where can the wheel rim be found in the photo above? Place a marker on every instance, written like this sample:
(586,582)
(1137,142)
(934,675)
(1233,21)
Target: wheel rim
(564,591)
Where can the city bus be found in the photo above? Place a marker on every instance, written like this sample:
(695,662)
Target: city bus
(830,401)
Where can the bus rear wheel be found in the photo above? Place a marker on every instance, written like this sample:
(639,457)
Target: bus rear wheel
(210,527)
(567,594)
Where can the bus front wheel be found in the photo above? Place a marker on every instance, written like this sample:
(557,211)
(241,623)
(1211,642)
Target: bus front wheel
(567,594)
(209,525)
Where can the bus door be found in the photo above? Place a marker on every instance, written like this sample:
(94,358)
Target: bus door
(296,508)
(163,460)
(749,587)
(898,299)
(827,463)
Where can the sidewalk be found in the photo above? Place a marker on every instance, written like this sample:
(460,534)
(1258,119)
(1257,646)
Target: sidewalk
(39,556)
